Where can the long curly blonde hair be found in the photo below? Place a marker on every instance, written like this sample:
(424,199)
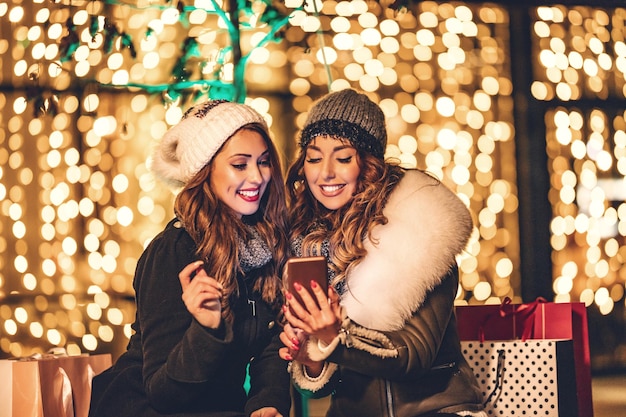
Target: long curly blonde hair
(216,229)
(346,228)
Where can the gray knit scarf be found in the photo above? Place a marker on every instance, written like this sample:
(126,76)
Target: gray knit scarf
(253,253)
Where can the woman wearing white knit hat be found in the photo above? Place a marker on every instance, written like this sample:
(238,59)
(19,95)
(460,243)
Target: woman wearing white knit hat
(384,342)
(199,332)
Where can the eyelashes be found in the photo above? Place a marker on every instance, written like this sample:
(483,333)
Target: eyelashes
(340,160)
(262,163)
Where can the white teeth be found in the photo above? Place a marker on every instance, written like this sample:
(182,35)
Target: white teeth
(249,193)
(330,188)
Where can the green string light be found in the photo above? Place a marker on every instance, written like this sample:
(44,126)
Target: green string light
(252,13)
(182,85)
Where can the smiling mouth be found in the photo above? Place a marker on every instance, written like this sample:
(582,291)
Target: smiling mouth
(331,189)
(249,194)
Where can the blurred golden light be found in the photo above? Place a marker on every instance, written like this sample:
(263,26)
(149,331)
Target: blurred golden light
(482,290)
(90,342)
(438,71)
(310,23)
(36,329)
(445,106)
(54,337)
(10,327)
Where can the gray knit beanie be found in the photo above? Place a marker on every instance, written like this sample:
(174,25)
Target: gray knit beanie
(191,144)
(350,115)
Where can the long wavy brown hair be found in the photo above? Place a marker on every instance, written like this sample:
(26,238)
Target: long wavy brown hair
(215,229)
(345,228)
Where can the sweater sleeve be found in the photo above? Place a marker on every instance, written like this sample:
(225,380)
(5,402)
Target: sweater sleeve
(178,353)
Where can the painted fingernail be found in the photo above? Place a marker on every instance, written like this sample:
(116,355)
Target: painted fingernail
(285,308)
(295,341)
(313,284)
(297,286)
(289,357)
(289,296)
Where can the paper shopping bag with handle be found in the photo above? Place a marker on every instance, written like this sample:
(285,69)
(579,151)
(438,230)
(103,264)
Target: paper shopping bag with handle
(20,389)
(531,378)
(533,321)
(80,371)
(49,385)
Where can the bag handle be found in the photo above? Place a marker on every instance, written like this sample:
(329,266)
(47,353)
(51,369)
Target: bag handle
(499,378)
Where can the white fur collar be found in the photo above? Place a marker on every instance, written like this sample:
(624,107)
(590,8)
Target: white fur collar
(428,226)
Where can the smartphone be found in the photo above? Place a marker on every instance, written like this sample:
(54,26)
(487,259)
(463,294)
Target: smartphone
(303,271)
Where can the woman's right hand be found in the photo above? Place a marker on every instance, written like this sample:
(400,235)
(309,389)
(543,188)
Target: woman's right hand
(202,295)
(319,315)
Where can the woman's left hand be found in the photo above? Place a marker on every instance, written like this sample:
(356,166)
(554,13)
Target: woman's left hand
(266,412)
(320,316)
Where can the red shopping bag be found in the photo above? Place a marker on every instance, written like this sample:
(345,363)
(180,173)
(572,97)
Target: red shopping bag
(537,320)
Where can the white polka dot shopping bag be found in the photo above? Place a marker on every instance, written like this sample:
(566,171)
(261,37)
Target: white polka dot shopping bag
(525,378)
(542,321)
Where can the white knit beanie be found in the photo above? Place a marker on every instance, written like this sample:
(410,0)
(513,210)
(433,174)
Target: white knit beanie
(191,144)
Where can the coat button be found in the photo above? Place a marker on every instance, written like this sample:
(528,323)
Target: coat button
(271,324)
(178,225)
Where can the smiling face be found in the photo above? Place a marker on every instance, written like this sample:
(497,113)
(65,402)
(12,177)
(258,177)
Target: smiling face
(331,169)
(241,172)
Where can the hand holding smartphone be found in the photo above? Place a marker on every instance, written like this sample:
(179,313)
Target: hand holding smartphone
(303,271)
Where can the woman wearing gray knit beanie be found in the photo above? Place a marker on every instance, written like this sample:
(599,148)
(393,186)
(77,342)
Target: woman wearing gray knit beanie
(384,341)
(207,287)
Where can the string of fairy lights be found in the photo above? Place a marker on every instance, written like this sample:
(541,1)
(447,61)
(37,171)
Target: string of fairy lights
(96,84)
(582,52)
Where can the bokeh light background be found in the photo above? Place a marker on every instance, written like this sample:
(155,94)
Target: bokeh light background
(78,203)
